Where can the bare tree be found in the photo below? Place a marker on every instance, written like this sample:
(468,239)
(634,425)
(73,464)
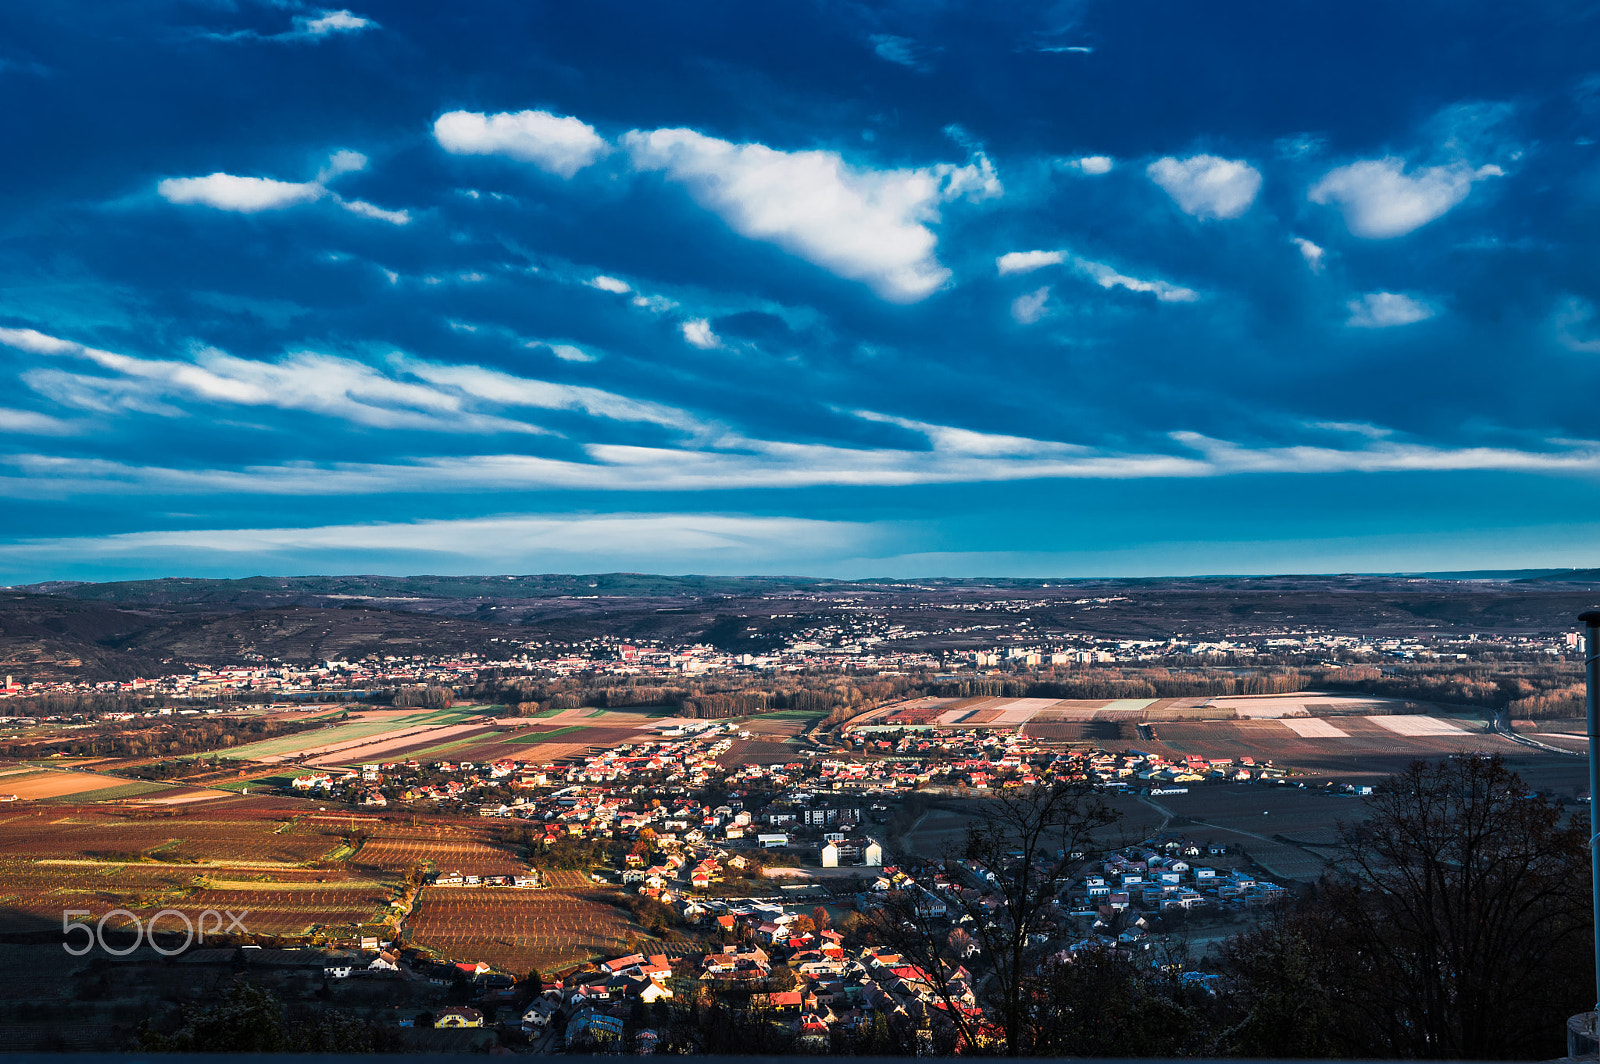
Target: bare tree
(1004,884)
(1468,894)
(1455,926)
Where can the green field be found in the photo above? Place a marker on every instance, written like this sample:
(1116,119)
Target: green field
(447,716)
(357,729)
(289,744)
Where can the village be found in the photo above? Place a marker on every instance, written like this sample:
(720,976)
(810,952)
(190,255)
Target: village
(776,869)
(785,963)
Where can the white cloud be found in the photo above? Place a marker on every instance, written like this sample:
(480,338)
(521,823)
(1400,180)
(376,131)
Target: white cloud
(1207,186)
(1090,164)
(726,462)
(502,389)
(568,353)
(1310,252)
(416,395)
(1107,277)
(246,195)
(899,50)
(1029,308)
(950,440)
(609,284)
(866,225)
(1574,330)
(1360,428)
(1027,261)
(35,342)
(557,144)
(654,304)
(332,22)
(343,161)
(32,423)
(517,542)
(367,210)
(1380,310)
(1380,200)
(975,181)
(1098,272)
(698,332)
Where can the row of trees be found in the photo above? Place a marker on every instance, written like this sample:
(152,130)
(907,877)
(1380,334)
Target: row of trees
(1525,689)
(838,696)
(162,737)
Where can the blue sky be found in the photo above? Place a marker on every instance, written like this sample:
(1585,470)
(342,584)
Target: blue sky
(815,288)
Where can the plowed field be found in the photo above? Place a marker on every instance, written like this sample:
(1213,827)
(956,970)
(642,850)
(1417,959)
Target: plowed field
(516,930)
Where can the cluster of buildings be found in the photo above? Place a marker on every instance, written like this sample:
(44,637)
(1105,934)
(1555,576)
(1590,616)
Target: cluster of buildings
(1129,887)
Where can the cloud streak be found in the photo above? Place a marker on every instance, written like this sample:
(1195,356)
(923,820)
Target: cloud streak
(416,394)
(953,456)
(1100,273)
(252,195)
(525,542)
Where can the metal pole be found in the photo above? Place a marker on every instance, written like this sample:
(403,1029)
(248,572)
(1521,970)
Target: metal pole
(1591,668)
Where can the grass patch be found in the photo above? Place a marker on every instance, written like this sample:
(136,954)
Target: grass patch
(529,738)
(448,716)
(307,740)
(789,714)
(443,748)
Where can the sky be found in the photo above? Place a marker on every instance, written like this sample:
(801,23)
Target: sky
(816,288)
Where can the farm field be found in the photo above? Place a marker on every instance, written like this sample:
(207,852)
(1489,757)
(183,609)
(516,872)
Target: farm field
(779,726)
(519,929)
(1351,748)
(447,854)
(1031,713)
(767,751)
(393,746)
(275,911)
(146,793)
(291,872)
(37,784)
(520,744)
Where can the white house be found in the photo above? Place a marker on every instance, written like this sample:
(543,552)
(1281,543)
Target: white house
(540,1012)
(830,855)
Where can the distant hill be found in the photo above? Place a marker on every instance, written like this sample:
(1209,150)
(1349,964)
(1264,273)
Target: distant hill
(119,630)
